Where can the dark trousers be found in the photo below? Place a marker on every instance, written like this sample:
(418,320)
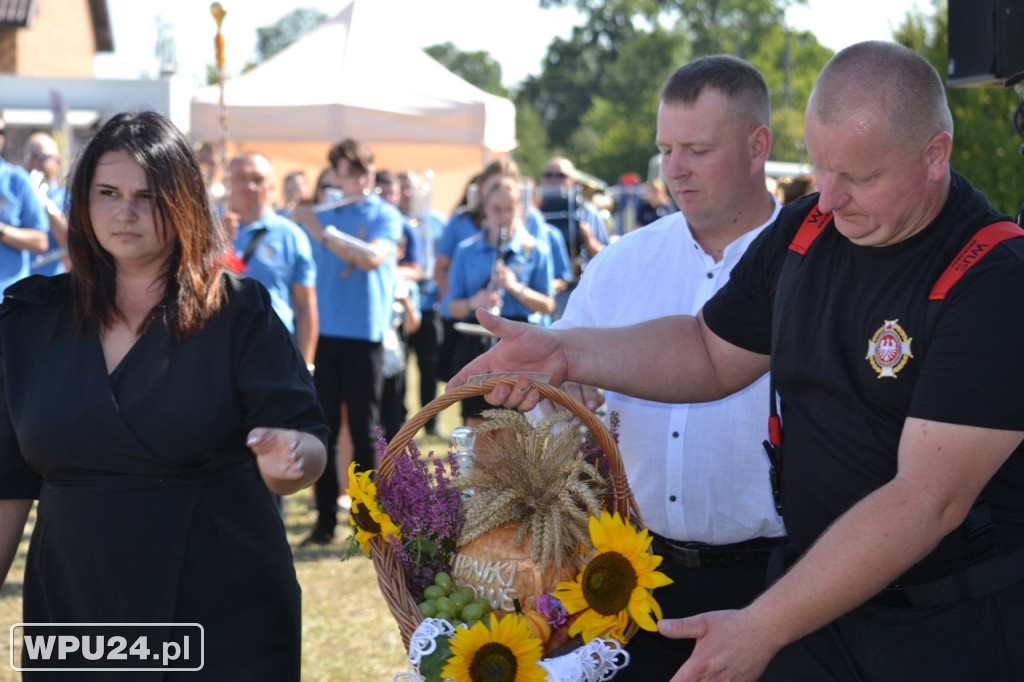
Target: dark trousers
(654,657)
(392,407)
(981,640)
(426,343)
(446,351)
(347,371)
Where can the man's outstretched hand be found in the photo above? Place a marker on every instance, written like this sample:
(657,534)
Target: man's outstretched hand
(522,348)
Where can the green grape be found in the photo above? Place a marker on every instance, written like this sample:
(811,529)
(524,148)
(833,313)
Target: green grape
(484,603)
(444,614)
(472,612)
(428,609)
(434,592)
(459,598)
(469,592)
(445,604)
(444,580)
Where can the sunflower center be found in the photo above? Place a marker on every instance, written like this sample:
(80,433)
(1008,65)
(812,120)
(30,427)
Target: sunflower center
(363,519)
(493,662)
(608,581)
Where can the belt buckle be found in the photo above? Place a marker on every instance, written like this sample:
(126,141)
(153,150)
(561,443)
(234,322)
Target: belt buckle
(687,556)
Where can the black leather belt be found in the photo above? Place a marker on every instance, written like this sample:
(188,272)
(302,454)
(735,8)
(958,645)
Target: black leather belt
(700,555)
(974,581)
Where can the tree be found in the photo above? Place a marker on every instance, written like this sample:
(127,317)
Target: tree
(985,148)
(790,62)
(277,36)
(477,68)
(617,133)
(165,49)
(563,92)
(480,69)
(584,90)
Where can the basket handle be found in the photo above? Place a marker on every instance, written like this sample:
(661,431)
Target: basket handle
(623,501)
(449,398)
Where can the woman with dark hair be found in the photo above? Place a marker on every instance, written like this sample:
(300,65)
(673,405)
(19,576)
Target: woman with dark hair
(152,402)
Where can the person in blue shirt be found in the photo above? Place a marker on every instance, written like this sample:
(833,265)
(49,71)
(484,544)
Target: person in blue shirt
(354,245)
(410,255)
(426,341)
(23,221)
(565,208)
(275,251)
(41,158)
(502,268)
(468,221)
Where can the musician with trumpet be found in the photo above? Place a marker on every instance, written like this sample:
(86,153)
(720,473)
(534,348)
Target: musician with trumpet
(23,222)
(354,245)
(502,268)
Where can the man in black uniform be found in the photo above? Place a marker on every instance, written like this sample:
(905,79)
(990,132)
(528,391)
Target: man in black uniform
(902,467)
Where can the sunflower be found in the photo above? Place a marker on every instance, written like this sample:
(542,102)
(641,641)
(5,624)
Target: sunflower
(366,516)
(503,651)
(615,584)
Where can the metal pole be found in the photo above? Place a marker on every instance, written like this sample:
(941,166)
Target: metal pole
(218,12)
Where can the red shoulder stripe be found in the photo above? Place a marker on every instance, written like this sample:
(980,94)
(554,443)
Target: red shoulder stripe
(809,230)
(981,243)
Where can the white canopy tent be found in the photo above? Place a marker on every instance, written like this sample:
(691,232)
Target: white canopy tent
(353,76)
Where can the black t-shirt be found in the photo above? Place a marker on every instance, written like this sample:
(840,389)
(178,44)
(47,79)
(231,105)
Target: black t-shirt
(851,364)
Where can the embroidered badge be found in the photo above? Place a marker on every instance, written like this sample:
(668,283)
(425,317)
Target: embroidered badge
(889,349)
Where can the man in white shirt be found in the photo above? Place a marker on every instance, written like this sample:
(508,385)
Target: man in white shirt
(698,471)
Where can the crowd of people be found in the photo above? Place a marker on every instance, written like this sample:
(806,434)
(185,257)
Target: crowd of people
(879,539)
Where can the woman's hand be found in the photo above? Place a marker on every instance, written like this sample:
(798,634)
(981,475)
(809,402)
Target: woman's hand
(505,278)
(484,298)
(288,460)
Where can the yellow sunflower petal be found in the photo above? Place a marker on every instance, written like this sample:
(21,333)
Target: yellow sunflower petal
(653,579)
(510,633)
(641,613)
(572,599)
(597,534)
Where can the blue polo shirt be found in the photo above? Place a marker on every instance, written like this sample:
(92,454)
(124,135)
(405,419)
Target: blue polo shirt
(471,271)
(19,207)
(283,257)
(54,265)
(461,226)
(354,304)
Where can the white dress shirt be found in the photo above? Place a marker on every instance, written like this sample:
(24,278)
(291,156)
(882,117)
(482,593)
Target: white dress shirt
(698,472)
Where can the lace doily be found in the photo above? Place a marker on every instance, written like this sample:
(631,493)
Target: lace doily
(596,661)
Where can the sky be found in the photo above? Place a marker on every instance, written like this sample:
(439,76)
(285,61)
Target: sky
(515,32)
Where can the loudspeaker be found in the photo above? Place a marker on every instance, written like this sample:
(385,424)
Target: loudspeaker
(986,41)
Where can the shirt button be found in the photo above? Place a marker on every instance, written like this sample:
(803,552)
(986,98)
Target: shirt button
(675,434)
(671,498)
(710,275)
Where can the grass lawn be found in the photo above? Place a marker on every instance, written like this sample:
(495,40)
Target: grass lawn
(348,632)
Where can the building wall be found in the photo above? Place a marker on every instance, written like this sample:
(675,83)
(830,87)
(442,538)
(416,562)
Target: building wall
(8,51)
(60,43)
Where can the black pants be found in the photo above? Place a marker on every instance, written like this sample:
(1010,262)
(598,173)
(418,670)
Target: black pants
(426,343)
(392,407)
(446,351)
(981,640)
(654,657)
(347,371)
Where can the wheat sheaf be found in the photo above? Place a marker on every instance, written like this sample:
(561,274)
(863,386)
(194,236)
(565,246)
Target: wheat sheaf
(536,476)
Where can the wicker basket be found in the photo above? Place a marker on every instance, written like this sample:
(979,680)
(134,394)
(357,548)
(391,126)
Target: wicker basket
(389,572)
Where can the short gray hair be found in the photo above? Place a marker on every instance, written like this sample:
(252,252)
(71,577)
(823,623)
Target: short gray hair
(899,81)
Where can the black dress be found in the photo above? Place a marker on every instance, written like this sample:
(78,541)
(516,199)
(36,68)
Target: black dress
(151,508)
